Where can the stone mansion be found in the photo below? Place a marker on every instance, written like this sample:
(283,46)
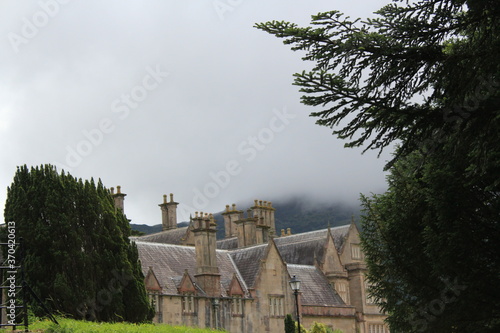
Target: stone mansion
(241,283)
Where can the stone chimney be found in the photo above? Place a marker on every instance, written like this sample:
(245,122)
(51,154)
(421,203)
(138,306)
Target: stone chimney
(247,230)
(207,273)
(231,215)
(168,213)
(118,197)
(271,210)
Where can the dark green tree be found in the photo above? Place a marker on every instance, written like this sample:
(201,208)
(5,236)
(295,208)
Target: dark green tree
(289,324)
(424,75)
(78,256)
(432,246)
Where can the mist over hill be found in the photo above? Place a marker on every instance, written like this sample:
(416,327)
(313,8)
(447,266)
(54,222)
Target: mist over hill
(296,214)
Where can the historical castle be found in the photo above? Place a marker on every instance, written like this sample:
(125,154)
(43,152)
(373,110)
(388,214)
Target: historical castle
(241,283)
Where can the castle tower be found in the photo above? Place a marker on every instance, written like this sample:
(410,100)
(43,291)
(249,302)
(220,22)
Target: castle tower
(231,215)
(118,197)
(168,213)
(207,273)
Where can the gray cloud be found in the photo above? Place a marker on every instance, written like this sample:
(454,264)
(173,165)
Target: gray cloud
(84,85)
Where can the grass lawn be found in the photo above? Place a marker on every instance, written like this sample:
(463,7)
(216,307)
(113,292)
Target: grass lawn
(77,326)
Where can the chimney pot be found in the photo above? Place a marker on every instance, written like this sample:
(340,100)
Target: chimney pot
(171,197)
(164,198)
(118,189)
(112,190)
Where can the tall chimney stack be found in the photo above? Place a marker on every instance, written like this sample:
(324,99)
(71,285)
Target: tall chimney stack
(231,215)
(247,230)
(168,213)
(118,197)
(207,273)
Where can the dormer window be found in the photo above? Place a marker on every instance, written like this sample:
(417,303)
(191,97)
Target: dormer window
(237,305)
(355,252)
(188,303)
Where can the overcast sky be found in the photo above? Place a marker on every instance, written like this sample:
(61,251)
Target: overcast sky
(171,96)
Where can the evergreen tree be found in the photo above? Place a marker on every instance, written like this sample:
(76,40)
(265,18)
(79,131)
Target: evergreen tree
(78,256)
(424,74)
(289,324)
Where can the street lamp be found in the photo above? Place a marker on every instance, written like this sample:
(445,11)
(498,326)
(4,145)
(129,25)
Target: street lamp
(295,285)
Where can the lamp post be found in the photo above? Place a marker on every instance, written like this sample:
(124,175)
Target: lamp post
(295,285)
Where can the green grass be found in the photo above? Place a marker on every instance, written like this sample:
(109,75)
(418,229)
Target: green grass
(77,326)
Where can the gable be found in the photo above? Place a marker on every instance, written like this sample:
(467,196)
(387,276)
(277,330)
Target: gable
(331,263)
(151,281)
(186,285)
(235,287)
(351,249)
(272,275)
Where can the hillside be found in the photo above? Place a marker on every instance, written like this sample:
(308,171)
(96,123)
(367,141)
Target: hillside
(292,214)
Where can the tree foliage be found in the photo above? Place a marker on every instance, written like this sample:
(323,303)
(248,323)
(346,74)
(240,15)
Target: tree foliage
(322,328)
(432,246)
(78,256)
(403,76)
(424,75)
(289,324)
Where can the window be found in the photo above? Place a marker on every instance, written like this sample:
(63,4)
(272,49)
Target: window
(154,299)
(355,252)
(276,306)
(377,328)
(188,303)
(342,290)
(237,305)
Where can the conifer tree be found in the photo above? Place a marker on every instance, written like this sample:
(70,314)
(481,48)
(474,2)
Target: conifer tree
(289,324)
(78,256)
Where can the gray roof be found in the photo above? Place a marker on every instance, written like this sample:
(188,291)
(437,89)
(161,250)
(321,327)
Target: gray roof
(228,243)
(302,248)
(172,236)
(302,253)
(314,286)
(169,262)
(248,261)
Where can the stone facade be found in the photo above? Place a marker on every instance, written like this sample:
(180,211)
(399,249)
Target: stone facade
(241,283)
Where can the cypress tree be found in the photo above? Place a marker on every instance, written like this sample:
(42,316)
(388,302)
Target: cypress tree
(289,324)
(78,256)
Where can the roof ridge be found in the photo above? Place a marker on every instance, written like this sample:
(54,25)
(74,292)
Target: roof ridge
(163,244)
(318,230)
(162,232)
